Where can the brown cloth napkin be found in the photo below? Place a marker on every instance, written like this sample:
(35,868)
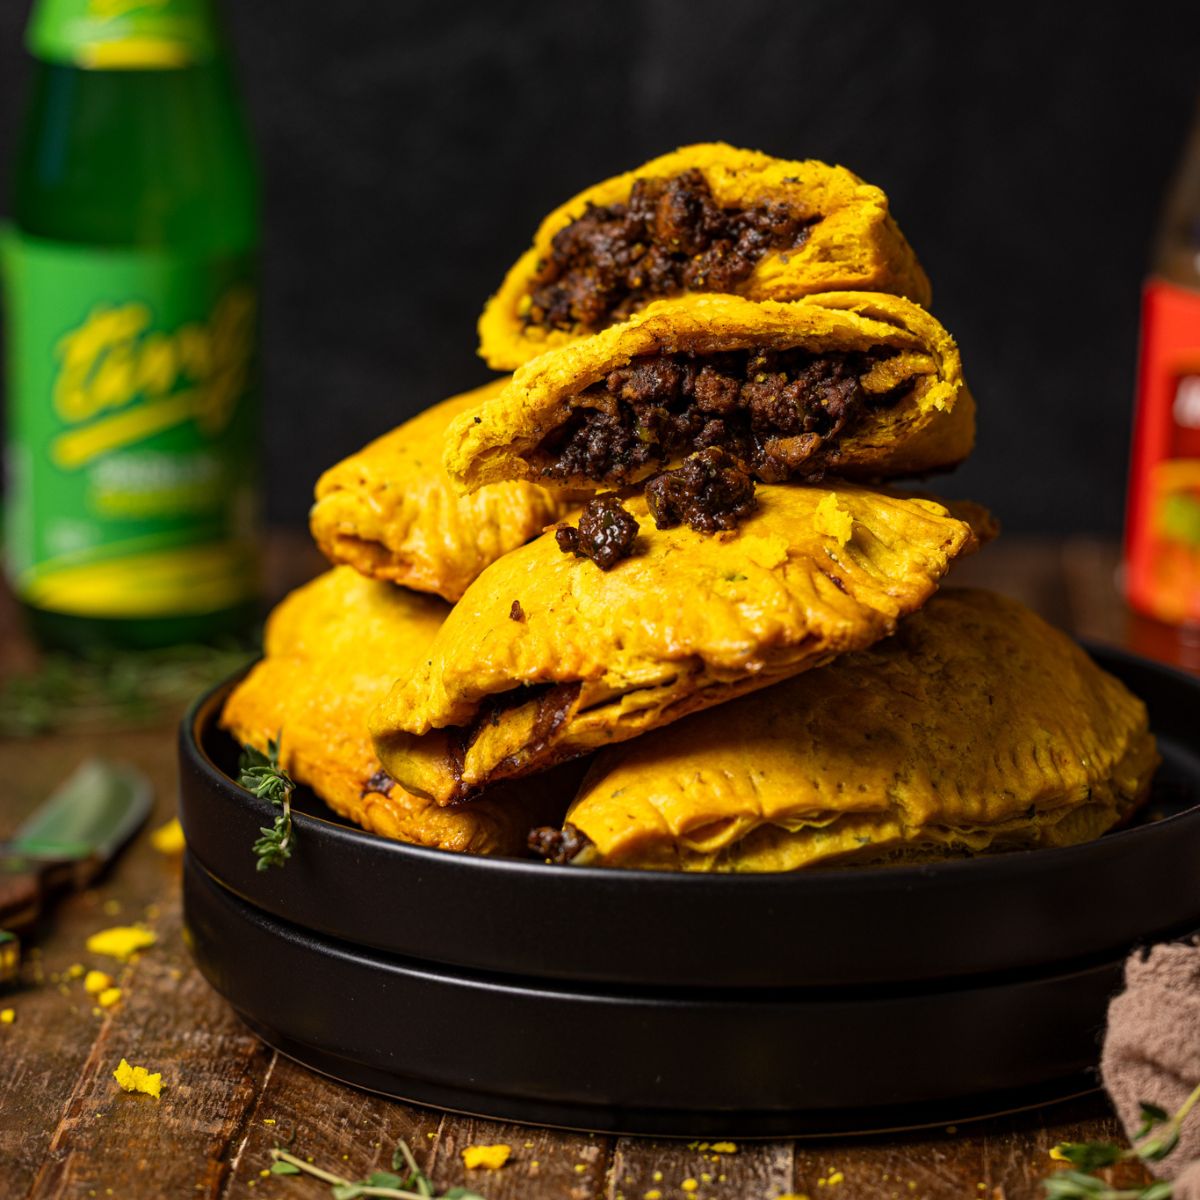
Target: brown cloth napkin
(1152,1050)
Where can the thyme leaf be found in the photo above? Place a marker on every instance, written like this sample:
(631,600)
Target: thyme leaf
(261,774)
(413,1185)
(1088,1157)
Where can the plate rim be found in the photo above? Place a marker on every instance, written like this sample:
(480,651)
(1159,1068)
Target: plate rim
(202,710)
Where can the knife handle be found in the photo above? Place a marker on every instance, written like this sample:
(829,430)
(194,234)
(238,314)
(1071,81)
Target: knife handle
(20,897)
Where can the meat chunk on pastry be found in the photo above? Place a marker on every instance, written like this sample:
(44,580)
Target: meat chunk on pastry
(390,511)
(333,647)
(976,728)
(706,218)
(548,656)
(859,385)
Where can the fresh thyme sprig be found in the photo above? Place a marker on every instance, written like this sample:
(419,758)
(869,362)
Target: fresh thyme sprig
(411,1184)
(261,774)
(1155,1138)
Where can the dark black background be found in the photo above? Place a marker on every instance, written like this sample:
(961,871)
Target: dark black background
(410,148)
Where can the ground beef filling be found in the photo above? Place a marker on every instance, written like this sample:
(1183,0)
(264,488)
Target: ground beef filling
(605,534)
(669,237)
(771,409)
(710,491)
(558,845)
(380,782)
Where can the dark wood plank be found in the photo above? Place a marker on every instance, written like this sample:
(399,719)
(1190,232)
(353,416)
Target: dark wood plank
(669,1169)
(544,1162)
(1005,1158)
(168,1020)
(343,1130)
(43,1053)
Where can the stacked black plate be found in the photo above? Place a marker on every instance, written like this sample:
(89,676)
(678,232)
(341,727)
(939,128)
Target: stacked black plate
(696,1005)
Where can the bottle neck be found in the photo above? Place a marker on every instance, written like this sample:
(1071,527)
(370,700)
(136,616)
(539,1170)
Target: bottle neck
(1177,247)
(123,35)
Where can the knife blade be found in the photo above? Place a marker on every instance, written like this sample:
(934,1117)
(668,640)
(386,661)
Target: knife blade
(68,840)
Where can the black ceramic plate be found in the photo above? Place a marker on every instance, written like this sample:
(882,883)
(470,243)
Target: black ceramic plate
(699,1062)
(965,919)
(814,1002)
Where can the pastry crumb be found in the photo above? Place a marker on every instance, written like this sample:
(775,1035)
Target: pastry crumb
(138,1079)
(168,838)
(489,1158)
(121,941)
(95,982)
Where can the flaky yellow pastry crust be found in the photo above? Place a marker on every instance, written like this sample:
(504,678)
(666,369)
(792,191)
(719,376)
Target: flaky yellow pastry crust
(856,245)
(931,428)
(688,621)
(390,512)
(976,727)
(333,647)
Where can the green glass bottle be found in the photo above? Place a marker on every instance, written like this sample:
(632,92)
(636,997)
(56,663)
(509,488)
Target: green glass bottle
(130,285)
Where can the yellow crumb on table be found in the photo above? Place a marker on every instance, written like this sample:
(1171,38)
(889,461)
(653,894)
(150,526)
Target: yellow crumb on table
(7,1016)
(76,971)
(689,1185)
(724,1147)
(652,1194)
(95,982)
(168,838)
(836,1178)
(490,1158)
(121,941)
(108,997)
(138,1079)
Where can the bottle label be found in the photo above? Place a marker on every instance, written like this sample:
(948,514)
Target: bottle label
(1162,535)
(132,430)
(122,34)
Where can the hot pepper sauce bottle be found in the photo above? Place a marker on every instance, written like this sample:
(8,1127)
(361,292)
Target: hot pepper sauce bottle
(130,304)
(1162,531)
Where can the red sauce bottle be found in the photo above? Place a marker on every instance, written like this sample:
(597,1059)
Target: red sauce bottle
(1162,530)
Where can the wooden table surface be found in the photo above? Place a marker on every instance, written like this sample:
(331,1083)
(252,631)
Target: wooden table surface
(66,1130)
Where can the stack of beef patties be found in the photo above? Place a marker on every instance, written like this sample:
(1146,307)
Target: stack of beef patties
(687,621)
